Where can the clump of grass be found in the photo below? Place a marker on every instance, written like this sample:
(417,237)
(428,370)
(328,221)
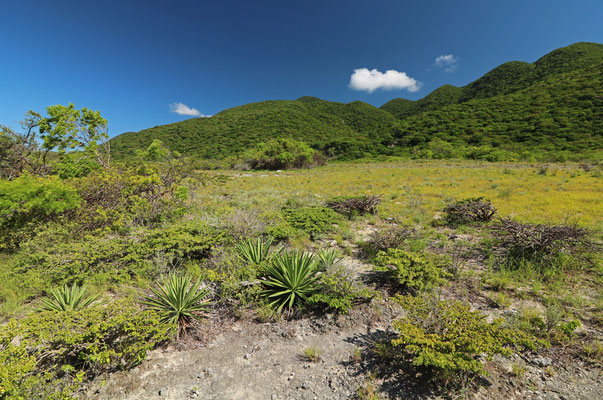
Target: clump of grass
(312,354)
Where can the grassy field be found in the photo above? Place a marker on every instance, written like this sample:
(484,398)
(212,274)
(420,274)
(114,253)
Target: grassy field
(417,190)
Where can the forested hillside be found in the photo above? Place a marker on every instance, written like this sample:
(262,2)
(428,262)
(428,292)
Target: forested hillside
(552,108)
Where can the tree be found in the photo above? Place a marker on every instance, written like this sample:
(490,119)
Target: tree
(67,128)
(20,151)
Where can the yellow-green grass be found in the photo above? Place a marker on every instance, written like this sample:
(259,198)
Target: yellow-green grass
(526,192)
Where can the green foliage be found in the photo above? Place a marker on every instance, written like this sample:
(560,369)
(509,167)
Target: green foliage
(291,278)
(351,130)
(28,201)
(280,153)
(447,336)
(48,355)
(413,271)
(67,298)
(313,354)
(254,251)
(328,257)
(337,291)
(54,258)
(178,300)
(313,220)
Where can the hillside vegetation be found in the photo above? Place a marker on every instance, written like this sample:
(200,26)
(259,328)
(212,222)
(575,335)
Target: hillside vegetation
(551,109)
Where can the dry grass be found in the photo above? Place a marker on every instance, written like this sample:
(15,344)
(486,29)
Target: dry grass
(416,190)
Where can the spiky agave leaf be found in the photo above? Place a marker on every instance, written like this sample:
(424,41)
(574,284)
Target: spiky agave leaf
(67,298)
(326,258)
(291,276)
(178,300)
(254,251)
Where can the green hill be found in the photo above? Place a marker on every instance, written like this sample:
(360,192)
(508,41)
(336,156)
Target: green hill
(354,129)
(552,105)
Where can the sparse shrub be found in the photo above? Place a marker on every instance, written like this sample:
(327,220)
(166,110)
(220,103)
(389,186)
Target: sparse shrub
(178,301)
(387,237)
(291,278)
(447,337)
(544,246)
(314,221)
(254,251)
(470,210)
(412,271)
(67,298)
(354,205)
(48,355)
(283,231)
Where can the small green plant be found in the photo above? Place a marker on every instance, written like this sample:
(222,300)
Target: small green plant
(501,300)
(291,277)
(337,290)
(328,257)
(178,301)
(413,271)
(518,370)
(67,299)
(313,220)
(254,251)
(312,354)
(369,390)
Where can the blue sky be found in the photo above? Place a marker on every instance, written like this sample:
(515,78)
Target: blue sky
(133,59)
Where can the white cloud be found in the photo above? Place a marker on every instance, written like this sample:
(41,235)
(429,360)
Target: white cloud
(183,109)
(448,62)
(371,80)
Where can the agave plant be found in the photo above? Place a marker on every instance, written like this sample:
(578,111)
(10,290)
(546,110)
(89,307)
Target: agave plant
(291,277)
(328,257)
(178,300)
(67,298)
(254,251)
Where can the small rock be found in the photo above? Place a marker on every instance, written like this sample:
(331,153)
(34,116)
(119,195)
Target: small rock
(541,361)
(246,356)
(16,341)
(305,385)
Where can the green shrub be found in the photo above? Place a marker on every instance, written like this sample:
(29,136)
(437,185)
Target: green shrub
(53,258)
(280,153)
(447,337)
(337,290)
(29,201)
(314,221)
(291,278)
(283,231)
(48,355)
(67,299)
(178,300)
(413,271)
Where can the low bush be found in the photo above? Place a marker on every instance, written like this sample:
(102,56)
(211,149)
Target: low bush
(412,271)
(27,202)
(446,337)
(471,210)
(48,355)
(313,220)
(337,291)
(354,205)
